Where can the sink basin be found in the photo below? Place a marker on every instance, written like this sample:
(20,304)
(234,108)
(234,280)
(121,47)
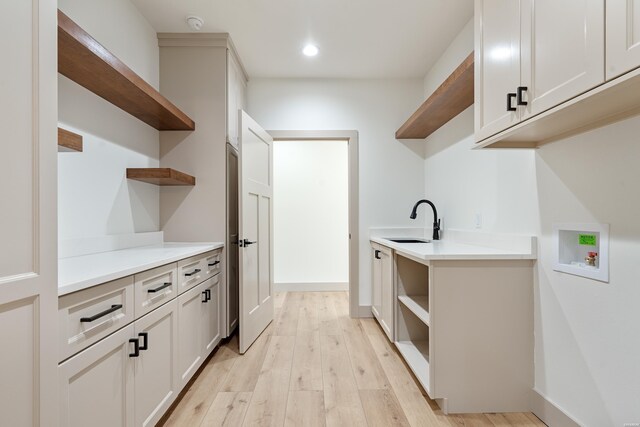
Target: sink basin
(409,240)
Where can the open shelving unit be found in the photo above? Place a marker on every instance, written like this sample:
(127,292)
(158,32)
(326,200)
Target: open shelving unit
(160,176)
(451,98)
(69,141)
(85,61)
(412,318)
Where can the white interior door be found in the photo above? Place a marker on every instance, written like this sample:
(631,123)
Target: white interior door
(256,225)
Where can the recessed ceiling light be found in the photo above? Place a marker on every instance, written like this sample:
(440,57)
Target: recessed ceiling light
(310,50)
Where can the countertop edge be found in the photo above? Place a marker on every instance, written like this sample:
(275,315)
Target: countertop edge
(119,274)
(453,257)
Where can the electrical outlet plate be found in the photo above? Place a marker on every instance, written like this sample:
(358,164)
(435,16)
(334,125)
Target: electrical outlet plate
(573,241)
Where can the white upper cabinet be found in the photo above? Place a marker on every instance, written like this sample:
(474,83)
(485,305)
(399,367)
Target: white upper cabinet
(562,51)
(497,65)
(531,55)
(236,96)
(623,36)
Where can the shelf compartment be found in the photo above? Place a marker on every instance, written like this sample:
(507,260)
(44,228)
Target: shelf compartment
(419,305)
(69,141)
(451,98)
(85,61)
(160,176)
(416,354)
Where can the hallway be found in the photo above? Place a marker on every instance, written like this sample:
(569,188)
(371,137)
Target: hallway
(315,366)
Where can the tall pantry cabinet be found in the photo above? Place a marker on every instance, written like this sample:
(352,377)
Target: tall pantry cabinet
(28,223)
(203,74)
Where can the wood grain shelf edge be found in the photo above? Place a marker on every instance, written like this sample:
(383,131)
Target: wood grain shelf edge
(451,98)
(69,141)
(160,176)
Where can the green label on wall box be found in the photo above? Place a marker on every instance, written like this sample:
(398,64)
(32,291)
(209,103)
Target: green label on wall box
(587,239)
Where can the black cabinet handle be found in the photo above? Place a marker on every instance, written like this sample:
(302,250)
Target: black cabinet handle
(136,347)
(214,264)
(510,107)
(377,254)
(196,271)
(114,307)
(159,288)
(205,297)
(521,91)
(208,291)
(145,340)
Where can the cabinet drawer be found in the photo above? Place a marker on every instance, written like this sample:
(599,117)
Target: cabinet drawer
(191,271)
(212,263)
(87,316)
(154,288)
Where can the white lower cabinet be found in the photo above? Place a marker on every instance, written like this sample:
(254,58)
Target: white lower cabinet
(157,382)
(97,385)
(383,288)
(131,376)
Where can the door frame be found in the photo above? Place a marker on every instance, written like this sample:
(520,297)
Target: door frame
(351,136)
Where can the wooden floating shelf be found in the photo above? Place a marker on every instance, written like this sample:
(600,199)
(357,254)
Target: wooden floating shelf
(451,98)
(85,61)
(160,176)
(69,141)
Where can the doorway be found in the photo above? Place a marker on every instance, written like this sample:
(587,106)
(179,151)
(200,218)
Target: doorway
(304,217)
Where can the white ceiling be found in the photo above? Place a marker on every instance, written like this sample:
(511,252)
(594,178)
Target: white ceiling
(356,38)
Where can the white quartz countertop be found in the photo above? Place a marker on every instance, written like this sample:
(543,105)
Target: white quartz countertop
(451,250)
(81,272)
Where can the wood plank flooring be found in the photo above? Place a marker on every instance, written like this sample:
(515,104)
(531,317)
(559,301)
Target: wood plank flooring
(315,366)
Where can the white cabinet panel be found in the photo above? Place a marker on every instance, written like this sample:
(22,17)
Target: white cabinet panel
(190,332)
(376,281)
(623,36)
(497,65)
(211,315)
(388,294)
(97,385)
(157,382)
(562,51)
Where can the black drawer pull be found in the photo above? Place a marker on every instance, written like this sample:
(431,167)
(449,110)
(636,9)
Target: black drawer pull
(159,288)
(377,254)
(196,271)
(145,340)
(136,347)
(510,107)
(214,264)
(113,308)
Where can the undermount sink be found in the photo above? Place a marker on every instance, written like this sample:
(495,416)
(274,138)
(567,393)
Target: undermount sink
(409,240)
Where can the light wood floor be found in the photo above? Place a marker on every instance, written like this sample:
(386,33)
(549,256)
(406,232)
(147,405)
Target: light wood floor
(314,366)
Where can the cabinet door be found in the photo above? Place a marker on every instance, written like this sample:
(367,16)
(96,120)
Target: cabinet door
(157,382)
(376,305)
(387,291)
(190,332)
(562,51)
(497,65)
(97,384)
(211,315)
(623,36)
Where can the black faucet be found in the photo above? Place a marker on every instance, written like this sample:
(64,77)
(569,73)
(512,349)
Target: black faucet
(436,221)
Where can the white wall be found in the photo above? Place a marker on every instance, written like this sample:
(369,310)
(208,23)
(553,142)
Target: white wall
(311,212)
(586,332)
(95,199)
(391,175)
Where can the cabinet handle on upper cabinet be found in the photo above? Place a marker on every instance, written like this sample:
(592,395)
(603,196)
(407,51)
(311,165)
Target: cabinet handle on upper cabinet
(196,271)
(510,107)
(136,347)
(159,288)
(114,307)
(521,91)
(377,254)
(145,340)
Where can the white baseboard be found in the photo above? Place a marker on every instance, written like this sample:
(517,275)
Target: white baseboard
(549,412)
(364,311)
(311,287)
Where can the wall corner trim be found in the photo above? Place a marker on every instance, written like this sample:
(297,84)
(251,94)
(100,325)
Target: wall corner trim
(549,412)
